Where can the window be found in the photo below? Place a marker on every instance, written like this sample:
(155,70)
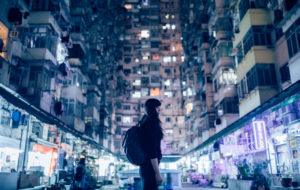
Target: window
(168,106)
(118,105)
(169,132)
(168,119)
(285,73)
(5,117)
(167,82)
(136,82)
(135,119)
(167,59)
(168,94)
(293,38)
(42,37)
(145,92)
(224,50)
(136,94)
(155,79)
(126,119)
(261,75)
(154,67)
(168,71)
(79,110)
(126,107)
(229,105)
(155,44)
(145,34)
(257,35)
(174,58)
(154,92)
(127,60)
(127,48)
(68,106)
(118,118)
(145,80)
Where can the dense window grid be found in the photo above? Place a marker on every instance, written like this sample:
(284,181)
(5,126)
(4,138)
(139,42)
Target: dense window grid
(285,73)
(228,105)
(257,36)
(259,75)
(293,38)
(247,4)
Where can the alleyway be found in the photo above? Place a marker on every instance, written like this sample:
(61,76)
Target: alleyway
(184,187)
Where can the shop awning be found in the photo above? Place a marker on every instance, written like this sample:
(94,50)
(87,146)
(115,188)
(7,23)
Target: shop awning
(18,101)
(283,98)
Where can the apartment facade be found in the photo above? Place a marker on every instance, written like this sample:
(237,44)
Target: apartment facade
(150,68)
(238,55)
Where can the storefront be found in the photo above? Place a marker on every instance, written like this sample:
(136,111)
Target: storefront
(269,133)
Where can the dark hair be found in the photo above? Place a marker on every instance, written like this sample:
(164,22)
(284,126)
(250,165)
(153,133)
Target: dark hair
(82,161)
(152,115)
(151,105)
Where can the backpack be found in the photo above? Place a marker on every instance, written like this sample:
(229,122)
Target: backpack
(79,173)
(132,145)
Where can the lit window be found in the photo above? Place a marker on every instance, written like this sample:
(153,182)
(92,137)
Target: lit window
(189,92)
(167,82)
(154,92)
(167,59)
(189,107)
(136,82)
(173,27)
(126,119)
(145,92)
(167,16)
(173,16)
(137,60)
(128,6)
(169,132)
(169,94)
(174,58)
(146,56)
(184,93)
(182,58)
(136,94)
(173,48)
(155,56)
(145,34)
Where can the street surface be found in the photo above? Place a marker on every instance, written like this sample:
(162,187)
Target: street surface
(184,187)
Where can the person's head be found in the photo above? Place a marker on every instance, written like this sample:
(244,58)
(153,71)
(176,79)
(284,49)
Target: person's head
(82,161)
(152,106)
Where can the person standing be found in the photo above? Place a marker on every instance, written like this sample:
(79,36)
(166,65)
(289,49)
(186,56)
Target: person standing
(80,176)
(151,136)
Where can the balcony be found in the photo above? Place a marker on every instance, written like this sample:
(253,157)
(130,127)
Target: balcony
(74,122)
(44,18)
(39,54)
(93,113)
(223,62)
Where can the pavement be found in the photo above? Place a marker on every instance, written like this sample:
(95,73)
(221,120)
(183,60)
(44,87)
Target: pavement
(184,187)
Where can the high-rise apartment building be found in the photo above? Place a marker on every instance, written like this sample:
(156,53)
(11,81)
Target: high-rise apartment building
(238,55)
(151,68)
